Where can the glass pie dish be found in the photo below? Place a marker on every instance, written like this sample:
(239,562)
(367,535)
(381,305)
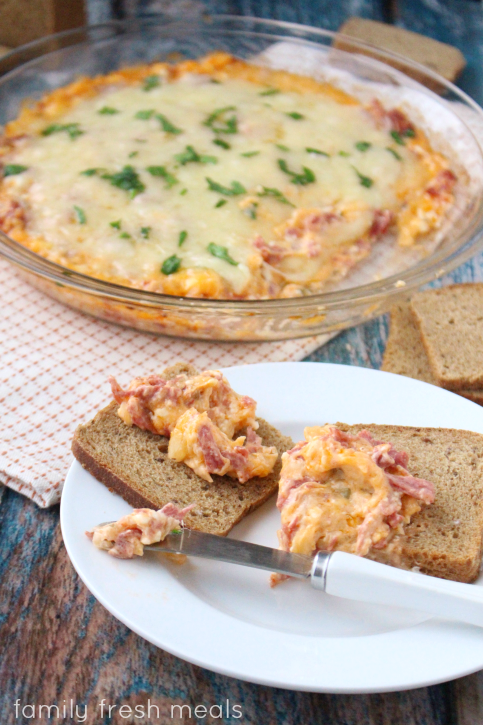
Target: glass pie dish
(449,119)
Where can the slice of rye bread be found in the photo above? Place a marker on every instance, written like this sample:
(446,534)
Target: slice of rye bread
(450,321)
(405,353)
(445,539)
(134,463)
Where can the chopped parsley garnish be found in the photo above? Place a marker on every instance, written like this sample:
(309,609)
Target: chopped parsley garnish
(295,115)
(282,147)
(363,145)
(126,179)
(270,92)
(164,173)
(191,155)
(125,235)
(171,264)
(183,192)
(182,238)
(145,232)
(80,215)
(234,190)
(220,142)
(307,177)
(364,180)
(167,125)
(251,211)
(214,80)
(276,194)
(398,138)
(345,154)
(219,203)
(394,153)
(150,82)
(13,169)
(178,531)
(108,111)
(144,115)
(132,154)
(249,154)
(310,150)
(409,132)
(71,128)
(116,224)
(90,172)
(219,124)
(222,253)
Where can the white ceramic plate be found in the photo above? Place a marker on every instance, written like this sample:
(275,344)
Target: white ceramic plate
(227,618)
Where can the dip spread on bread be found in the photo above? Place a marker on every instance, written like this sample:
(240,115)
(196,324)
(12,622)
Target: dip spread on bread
(216,178)
(126,537)
(200,414)
(346,492)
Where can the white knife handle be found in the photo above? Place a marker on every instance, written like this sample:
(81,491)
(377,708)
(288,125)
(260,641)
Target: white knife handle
(352,577)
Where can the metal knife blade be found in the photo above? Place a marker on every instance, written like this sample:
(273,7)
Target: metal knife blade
(232,551)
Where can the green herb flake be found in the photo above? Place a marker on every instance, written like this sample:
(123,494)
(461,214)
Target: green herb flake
(90,172)
(182,238)
(307,177)
(190,155)
(133,154)
(310,150)
(145,231)
(108,111)
(144,115)
(167,126)
(221,202)
(171,264)
(219,124)
(80,215)
(234,190)
(364,180)
(344,154)
(214,80)
(270,92)
(282,147)
(13,169)
(409,133)
(183,192)
(126,179)
(164,173)
(116,224)
(178,531)
(398,138)
(249,154)
(394,153)
(125,235)
(275,194)
(363,146)
(295,115)
(221,253)
(221,143)
(251,211)
(151,82)
(71,128)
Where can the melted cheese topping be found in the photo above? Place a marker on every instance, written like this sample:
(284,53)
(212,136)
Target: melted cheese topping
(218,180)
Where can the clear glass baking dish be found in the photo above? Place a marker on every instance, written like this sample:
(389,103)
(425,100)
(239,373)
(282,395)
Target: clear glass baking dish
(41,66)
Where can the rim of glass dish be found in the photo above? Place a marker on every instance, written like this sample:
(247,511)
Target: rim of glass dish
(438,263)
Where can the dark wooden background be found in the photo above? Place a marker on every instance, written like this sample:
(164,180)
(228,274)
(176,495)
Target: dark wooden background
(58,644)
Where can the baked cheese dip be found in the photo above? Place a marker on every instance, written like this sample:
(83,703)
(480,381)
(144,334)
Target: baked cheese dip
(347,492)
(216,178)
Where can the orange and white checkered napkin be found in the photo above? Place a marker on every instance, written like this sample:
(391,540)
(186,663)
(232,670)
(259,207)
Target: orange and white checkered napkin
(54,364)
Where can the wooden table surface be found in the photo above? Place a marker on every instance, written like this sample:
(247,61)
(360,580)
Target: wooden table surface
(57,643)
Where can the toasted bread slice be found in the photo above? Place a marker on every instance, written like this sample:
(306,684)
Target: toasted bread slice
(446,538)
(134,463)
(405,353)
(450,321)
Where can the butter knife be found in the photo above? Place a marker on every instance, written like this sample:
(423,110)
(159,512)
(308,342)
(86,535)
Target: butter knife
(339,574)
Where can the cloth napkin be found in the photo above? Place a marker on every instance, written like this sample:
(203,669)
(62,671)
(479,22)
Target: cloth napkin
(54,364)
